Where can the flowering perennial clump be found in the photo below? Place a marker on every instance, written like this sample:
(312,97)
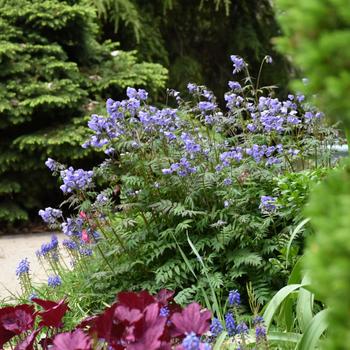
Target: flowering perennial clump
(225,178)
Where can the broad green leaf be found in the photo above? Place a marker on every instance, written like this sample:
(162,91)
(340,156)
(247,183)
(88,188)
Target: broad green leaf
(304,305)
(313,331)
(276,302)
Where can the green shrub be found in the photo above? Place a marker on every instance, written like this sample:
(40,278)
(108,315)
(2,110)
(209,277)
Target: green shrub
(317,37)
(53,72)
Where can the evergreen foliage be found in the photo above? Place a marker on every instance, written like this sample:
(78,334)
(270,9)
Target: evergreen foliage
(53,72)
(194,38)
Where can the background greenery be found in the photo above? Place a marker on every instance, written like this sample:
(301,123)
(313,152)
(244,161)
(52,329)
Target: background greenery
(53,73)
(317,37)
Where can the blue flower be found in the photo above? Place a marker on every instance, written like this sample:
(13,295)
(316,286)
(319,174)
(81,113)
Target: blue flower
(230,324)
(192,88)
(164,311)
(260,333)
(101,199)
(227,182)
(267,204)
(238,63)
(52,164)
(234,85)
(54,281)
(22,268)
(50,215)
(205,106)
(258,319)
(234,298)
(242,328)
(69,244)
(216,327)
(75,179)
(191,342)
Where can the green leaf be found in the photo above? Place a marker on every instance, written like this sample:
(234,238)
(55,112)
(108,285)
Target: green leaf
(313,332)
(304,305)
(275,303)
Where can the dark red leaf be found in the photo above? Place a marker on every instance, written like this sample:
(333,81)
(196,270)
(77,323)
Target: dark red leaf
(135,300)
(28,342)
(15,320)
(101,326)
(191,319)
(76,340)
(53,312)
(152,330)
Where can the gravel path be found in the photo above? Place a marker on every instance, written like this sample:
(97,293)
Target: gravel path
(14,248)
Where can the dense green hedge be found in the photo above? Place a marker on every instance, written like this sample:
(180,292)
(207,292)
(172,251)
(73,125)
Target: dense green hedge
(53,72)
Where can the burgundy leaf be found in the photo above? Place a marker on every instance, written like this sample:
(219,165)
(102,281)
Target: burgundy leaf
(191,319)
(135,300)
(150,331)
(76,340)
(5,336)
(101,325)
(126,315)
(28,342)
(15,320)
(53,312)
(150,339)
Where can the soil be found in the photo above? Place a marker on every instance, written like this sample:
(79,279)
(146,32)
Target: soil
(14,248)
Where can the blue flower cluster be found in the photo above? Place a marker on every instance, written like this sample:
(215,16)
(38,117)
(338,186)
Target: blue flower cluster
(234,298)
(182,168)
(72,227)
(54,281)
(22,268)
(75,179)
(50,215)
(53,165)
(192,342)
(47,248)
(268,204)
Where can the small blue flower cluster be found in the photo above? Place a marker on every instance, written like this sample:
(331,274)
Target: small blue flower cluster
(268,204)
(54,281)
(53,165)
(50,215)
(182,168)
(75,179)
(22,268)
(47,248)
(192,342)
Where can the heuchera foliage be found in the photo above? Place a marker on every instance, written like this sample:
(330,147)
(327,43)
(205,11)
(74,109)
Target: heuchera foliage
(133,322)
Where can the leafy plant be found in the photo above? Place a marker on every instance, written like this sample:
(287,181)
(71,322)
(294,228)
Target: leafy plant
(189,180)
(134,321)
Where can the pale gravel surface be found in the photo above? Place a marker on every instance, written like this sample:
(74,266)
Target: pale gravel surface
(13,248)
